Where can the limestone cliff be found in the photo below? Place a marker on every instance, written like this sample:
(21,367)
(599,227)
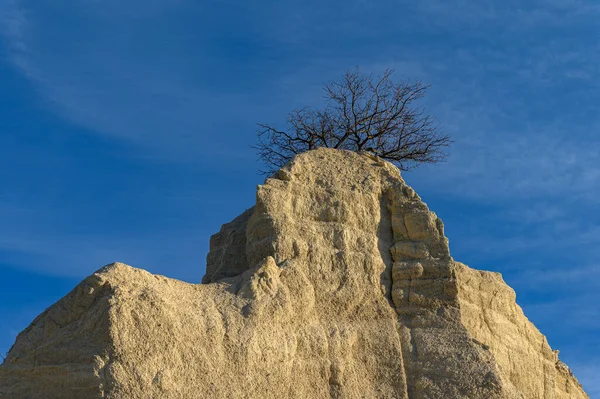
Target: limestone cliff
(338,283)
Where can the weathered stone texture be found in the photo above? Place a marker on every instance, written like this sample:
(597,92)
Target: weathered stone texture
(338,283)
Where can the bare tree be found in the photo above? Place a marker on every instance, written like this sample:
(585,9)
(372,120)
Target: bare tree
(362,113)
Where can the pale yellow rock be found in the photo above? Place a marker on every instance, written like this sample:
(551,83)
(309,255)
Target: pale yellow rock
(338,283)
(490,313)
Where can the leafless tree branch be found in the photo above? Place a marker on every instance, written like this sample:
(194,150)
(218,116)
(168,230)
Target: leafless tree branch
(361,113)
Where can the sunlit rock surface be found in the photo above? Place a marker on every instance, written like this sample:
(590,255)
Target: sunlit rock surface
(338,283)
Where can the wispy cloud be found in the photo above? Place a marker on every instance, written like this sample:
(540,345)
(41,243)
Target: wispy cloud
(567,277)
(511,15)
(113,84)
(13,24)
(572,311)
(179,254)
(501,153)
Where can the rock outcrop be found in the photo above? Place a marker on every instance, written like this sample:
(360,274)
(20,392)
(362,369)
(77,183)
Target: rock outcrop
(338,283)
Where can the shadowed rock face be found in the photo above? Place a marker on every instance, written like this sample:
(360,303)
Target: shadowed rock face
(338,283)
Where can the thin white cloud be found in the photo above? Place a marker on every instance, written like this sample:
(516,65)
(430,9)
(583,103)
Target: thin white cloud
(534,214)
(500,152)
(512,15)
(44,239)
(114,85)
(13,25)
(105,84)
(77,255)
(573,311)
(571,276)
(498,237)
(499,165)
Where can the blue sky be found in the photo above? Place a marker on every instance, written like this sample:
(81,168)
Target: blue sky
(125,128)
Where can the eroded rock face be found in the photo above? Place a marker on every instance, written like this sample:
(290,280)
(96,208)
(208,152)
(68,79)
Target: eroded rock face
(338,283)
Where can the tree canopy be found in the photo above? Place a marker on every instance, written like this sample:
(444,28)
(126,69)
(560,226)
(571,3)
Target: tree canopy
(361,113)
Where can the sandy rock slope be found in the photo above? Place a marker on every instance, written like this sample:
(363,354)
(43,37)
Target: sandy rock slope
(338,283)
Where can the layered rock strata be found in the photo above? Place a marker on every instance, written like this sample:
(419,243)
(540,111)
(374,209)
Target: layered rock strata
(338,283)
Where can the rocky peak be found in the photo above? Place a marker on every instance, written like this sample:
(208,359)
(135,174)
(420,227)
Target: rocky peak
(338,283)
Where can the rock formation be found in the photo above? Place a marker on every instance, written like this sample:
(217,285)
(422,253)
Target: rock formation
(338,283)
